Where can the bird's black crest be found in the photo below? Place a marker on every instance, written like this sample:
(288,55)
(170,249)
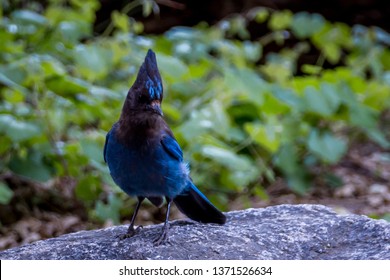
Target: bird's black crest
(149,79)
(142,107)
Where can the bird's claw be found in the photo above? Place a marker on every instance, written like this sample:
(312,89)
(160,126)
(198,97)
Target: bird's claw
(130,233)
(163,238)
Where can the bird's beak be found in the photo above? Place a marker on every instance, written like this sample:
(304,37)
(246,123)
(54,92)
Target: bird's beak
(156,106)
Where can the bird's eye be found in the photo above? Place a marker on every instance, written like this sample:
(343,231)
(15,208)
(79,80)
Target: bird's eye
(143,99)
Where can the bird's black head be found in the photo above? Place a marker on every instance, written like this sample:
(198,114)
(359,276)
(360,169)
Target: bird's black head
(146,94)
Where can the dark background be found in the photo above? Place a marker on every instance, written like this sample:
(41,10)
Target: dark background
(191,12)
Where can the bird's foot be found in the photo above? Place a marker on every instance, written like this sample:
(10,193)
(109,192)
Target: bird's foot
(163,238)
(130,233)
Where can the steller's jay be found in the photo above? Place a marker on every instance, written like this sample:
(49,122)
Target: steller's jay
(146,161)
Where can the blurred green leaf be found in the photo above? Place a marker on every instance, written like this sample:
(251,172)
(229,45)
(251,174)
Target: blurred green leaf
(378,137)
(121,21)
(12,77)
(93,61)
(324,102)
(92,149)
(326,146)
(211,117)
(18,130)
(27,16)
(278,72)
(109,211)
(31,167)
(362,116)
(280,20)
(288,97)
(67,86)
(172,67)
(246,83)
(311,69)
(88,188)
(386,217)
(225,157)
(52,67)
(261,15)
(6,194)
(332,52)
(304,24)
(241,168)
(268,135)
(287,160)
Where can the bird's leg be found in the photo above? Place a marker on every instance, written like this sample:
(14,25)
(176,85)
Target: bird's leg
(131,231)
(164,234)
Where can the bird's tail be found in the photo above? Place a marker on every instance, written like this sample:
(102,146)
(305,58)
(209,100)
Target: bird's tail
(197,207)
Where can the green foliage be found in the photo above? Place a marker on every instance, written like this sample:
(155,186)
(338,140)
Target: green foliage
(61,89)
(5,193)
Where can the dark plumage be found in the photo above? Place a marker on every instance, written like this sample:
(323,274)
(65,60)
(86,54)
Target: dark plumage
(144,158)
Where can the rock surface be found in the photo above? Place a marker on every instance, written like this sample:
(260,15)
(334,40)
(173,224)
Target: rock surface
(278,232)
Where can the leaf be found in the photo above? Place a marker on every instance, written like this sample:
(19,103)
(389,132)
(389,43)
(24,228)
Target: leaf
(88,188)
(311,69)
(386,217)
(171,67)
(280,20)
(287,160)
(225,157)
(12,77)
(93,61)
(332,52)
(304,24)
(277,71)
(121,21)
(326,146)
(261,14)
(381,35)
(27,16)
(211,117)
(362,116)
(109,211)
(18,130)
(67,86)
(331,96)
(298,183)
(288,97)
(103,93)
(52,67)
(331,39)
(238,27)
(252,51)
(324,102)
(241,171)
(92,149)
(245,83)
(147,8)
(72,31)
(314,102)
(6,194)
(379,137)
(31,167)
(267,135)
(5,148)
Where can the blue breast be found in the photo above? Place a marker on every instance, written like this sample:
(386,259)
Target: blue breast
(145,171)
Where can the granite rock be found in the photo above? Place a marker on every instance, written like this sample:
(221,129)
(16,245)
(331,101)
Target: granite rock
(303,232)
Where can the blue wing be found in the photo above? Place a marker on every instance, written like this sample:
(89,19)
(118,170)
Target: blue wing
(172,147)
